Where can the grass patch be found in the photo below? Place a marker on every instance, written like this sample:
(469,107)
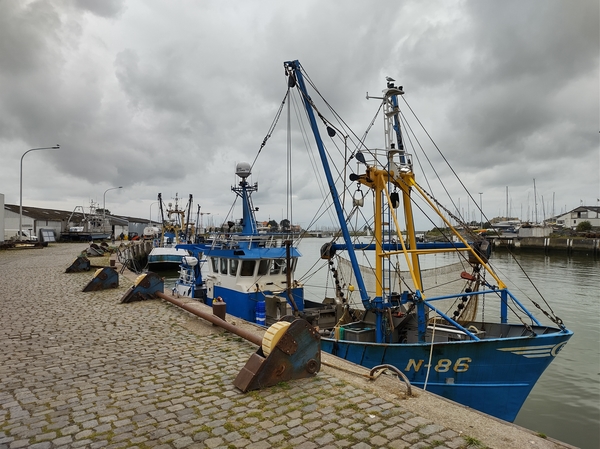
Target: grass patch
(350,406)
(473,443)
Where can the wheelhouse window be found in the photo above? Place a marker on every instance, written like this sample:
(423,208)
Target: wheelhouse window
(233,266)
(223,266)
(248,268)
(263,267)
(292,265)
(215,264)
(277,264)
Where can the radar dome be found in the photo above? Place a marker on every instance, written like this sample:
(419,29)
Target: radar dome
(243,170)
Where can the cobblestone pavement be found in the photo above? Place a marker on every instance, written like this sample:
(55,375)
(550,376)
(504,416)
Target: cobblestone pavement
(82,370)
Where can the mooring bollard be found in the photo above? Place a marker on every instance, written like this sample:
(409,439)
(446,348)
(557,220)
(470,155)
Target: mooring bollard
(219,308)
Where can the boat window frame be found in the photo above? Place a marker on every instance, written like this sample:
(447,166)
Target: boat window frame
(264,266)
(234,265)
(244,268)
(276,267)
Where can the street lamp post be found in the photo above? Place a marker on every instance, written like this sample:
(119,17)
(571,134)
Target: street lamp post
(55,147)
(104,206)
(151,204)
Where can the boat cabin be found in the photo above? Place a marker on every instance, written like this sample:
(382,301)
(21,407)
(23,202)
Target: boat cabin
(247,273)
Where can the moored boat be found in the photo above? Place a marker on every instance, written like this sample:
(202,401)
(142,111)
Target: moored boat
(165,256)
(446,343)
(93,226)
(251,270)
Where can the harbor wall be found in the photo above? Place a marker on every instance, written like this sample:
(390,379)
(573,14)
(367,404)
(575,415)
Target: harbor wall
(135,254)
(546,244)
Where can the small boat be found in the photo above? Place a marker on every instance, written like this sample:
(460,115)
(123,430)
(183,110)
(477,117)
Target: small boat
(450,343)
(89,227)
(165,256)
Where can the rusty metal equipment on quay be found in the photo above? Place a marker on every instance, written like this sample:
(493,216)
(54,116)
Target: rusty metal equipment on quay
(290,349)
(145,287)
(80,264)
(103,279)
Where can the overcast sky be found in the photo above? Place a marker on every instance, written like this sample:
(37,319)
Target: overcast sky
(167,96)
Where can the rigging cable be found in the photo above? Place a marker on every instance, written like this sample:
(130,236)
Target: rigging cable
(271,128)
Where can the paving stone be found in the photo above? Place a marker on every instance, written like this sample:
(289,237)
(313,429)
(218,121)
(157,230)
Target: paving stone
(431,429)
(378,441)
(420,445)
(19,444)
(362,435)
(182,442)
(325,439)
(213,442)
(398,444)
(260,445)
(362,445)
(43,445)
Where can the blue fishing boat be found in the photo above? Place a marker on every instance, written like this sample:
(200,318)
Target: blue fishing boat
(252,271)
(442,339)
(443,343)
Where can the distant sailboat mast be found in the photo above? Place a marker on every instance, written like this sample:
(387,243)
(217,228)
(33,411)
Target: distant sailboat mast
(535,202)
(507,214)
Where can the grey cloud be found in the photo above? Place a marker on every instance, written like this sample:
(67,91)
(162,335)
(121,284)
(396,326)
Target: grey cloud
(170,99)
(102,8)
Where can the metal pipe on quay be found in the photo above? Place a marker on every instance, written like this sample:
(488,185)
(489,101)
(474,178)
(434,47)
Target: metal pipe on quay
(246,335)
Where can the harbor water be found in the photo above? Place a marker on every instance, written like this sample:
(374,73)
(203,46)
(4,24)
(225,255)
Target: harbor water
(565,403)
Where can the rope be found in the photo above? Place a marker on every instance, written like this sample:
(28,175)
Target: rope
(430,354)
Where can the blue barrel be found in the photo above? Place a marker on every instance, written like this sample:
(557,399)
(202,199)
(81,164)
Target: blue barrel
(261,313)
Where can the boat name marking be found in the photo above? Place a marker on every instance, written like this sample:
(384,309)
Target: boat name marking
(443,365)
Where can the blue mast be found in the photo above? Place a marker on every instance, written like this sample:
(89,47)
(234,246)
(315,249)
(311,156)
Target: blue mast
(244,190)
(294,70)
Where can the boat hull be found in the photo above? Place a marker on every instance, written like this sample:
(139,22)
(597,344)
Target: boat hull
(243,304)
(493,376)
(85,236)
(165,259)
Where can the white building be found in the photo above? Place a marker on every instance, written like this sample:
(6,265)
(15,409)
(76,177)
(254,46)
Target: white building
(582,213)
(35,219)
